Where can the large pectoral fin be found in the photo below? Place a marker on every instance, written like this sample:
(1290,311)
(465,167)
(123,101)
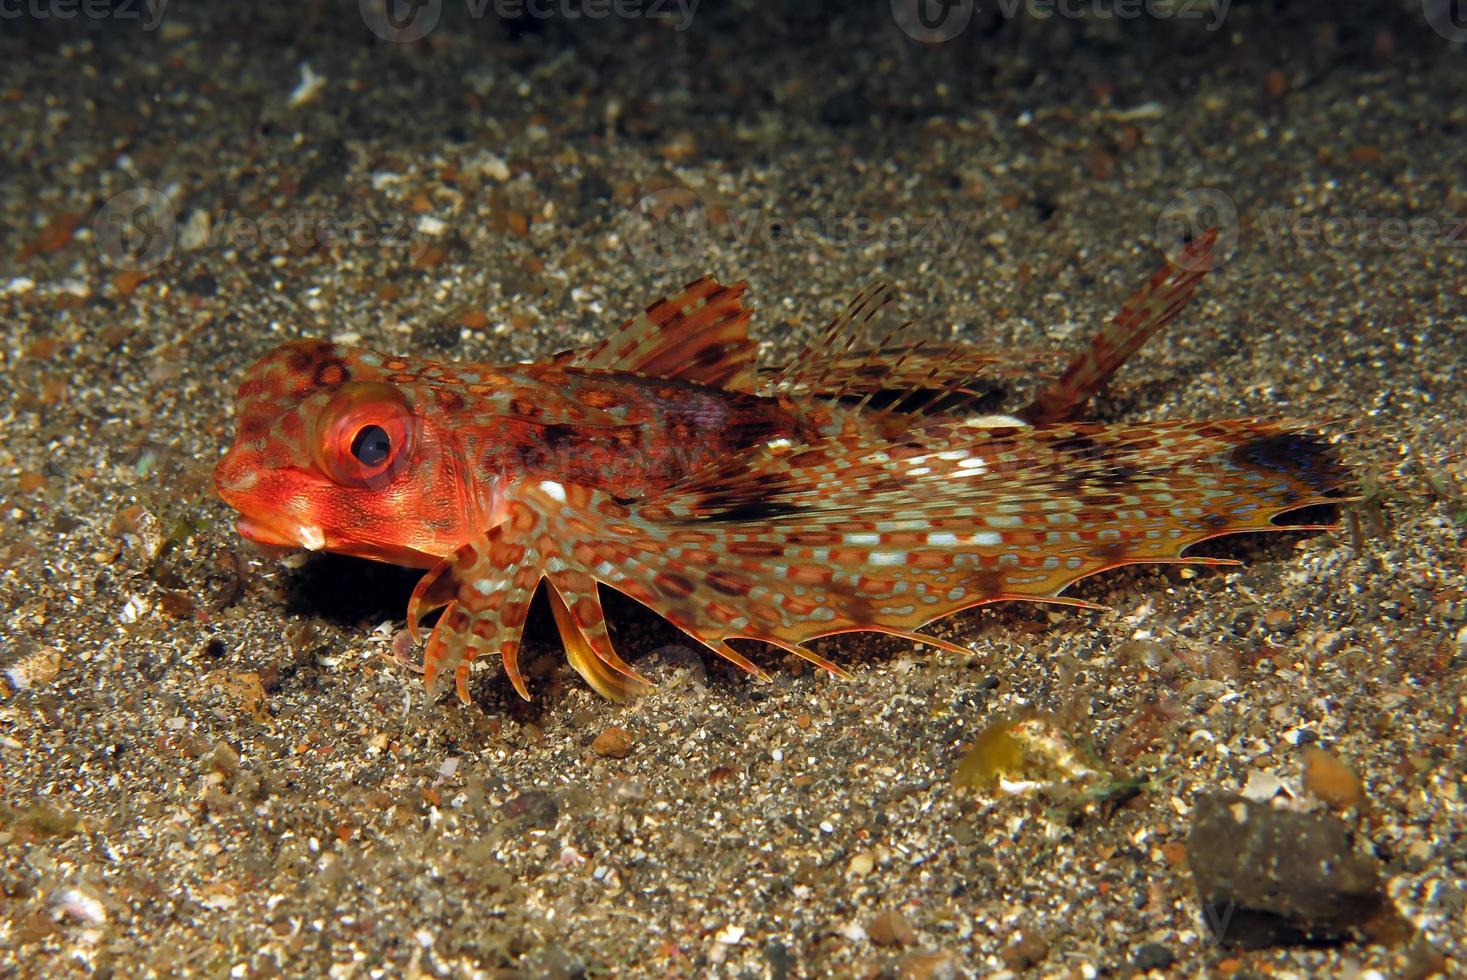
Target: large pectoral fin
(485,588)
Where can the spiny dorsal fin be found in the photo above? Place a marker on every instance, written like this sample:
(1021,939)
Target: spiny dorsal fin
(811,370)
(926,377)
(698,335)
(898,374)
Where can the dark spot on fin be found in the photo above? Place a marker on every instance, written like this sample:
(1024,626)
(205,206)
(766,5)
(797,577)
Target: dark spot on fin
(1301,456)
(739,511)
(1081,445)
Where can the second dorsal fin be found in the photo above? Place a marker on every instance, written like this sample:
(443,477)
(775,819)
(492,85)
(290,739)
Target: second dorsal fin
(699,335)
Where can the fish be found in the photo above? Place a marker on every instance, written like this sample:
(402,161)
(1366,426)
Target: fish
(855,489)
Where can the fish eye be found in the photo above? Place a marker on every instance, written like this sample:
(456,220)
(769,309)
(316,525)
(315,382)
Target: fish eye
(372,445)
(364,435)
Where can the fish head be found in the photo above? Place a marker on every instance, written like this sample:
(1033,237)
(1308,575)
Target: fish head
(344,450)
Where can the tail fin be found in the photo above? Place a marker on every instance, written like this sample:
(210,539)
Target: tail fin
(1145,313)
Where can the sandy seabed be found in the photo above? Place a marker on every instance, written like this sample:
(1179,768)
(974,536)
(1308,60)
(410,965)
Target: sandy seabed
(210,764)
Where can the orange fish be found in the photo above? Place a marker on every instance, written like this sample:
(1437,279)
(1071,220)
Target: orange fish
(851,491)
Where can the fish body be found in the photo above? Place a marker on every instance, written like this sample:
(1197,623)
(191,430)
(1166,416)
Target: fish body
(852,490)
(468,433)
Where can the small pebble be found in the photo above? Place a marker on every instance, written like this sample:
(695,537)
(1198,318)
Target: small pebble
(891,928)
(222,759)
(1029,949)
(613,743)
(35,669)
(127,281)
(1331,781)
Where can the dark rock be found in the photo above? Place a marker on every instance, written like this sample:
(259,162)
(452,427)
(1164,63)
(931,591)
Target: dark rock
(202,284)
(1154,956)
(1269,877)
(436,336)
(848,108)
(781,962)
(595,191)
(1029,950)
(532,809)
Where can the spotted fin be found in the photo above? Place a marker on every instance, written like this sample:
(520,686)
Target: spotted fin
(788,544)
(484,590)
(851,536)
(699,335)
(1148,310)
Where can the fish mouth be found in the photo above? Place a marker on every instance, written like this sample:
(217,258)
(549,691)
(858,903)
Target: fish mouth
(306,536)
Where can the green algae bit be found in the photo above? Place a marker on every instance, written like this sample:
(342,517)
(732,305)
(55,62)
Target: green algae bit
(39,820)
(1026,752)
